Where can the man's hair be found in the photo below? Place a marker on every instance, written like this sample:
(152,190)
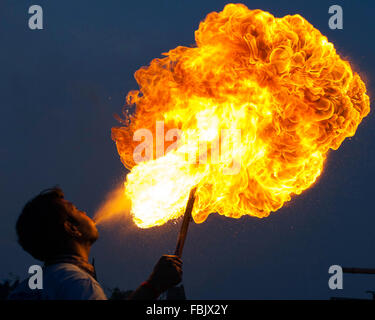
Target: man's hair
(40,225)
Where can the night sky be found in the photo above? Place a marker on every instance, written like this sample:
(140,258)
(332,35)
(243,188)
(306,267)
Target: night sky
(59,89)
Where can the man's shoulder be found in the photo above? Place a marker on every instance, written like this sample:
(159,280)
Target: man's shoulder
(62,281)
(68,281)
(65,272)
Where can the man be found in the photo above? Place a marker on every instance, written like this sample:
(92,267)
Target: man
(54,231)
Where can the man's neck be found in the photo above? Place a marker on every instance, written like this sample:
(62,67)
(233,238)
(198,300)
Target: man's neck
(76,249)
(82,251)
(78,256)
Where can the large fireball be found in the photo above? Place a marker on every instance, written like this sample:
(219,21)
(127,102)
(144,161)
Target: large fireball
(277,80)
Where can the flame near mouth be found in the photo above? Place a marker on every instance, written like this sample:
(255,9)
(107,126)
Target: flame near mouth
(277,80)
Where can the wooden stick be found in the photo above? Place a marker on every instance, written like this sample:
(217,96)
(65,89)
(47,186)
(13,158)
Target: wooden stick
(185,223)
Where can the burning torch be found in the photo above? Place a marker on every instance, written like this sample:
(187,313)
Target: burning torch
(185,223)
(178,292)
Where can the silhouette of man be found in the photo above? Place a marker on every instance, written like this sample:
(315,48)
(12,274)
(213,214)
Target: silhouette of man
(54,231)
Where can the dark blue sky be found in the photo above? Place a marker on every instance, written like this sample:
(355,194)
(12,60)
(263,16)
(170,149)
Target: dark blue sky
(59,89)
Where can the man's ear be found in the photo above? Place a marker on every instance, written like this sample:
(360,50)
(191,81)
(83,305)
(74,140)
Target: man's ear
(72,229)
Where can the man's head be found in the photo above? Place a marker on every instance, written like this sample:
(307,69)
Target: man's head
(49,225)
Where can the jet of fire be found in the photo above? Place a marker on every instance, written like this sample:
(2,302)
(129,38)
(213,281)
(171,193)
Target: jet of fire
(278,80)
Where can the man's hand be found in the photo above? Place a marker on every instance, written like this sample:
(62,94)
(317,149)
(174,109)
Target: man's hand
(167,273)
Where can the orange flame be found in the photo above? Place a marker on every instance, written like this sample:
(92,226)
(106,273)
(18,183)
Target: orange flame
(277,80)
(116,205)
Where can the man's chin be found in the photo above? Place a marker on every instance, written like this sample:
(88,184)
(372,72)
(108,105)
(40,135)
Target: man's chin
(94,237)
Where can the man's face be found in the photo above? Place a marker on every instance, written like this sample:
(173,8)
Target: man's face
(84,223)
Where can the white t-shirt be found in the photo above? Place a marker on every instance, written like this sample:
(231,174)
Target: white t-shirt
(61,281)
